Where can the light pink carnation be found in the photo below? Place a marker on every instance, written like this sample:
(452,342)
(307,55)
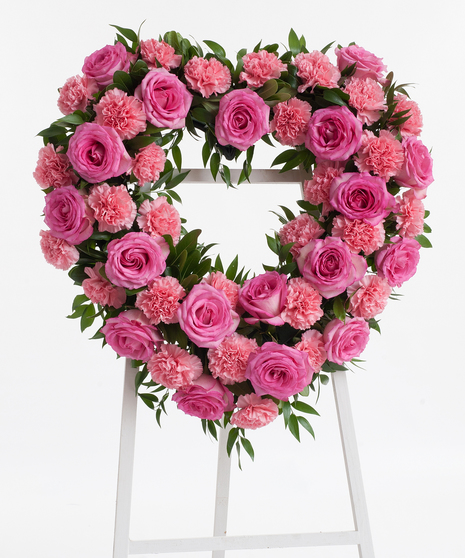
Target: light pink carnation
(207,76)
(367,96)
(100,291)
(113,207)
(381,155)
(228,361)
(290,121)
(75,94)
(159,217)
(174,367)
(57,251)
(410,216)
(312,343)
(254,411)
(303,304)
(300,230)
(53,168)
(316,190)
(314,68)
(412,126)
(149,163)
(153,51)
(230,288)
(261,66)
(160,301)
(368,297)
(122,113)
(359,235)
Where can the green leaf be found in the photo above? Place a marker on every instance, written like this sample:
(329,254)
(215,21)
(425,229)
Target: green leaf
(123,81)
(294,43)
(204,267)
(288,213)
(325,49)
(295,161)
(212,429)
(304,408)
(178,178)
(87,318)
(140,377)
(232,269)
(272,244)
(339,309)
(304,422)
(286,412)
(216,48)
(332,96)
(269,89)
(206,152)
(177,157)
(329,366)
(226,175)
(248,447)
(324,379)
(284,157)
(215,165)
(294,427)
(427,228)
(188,241)
(373,324)
(424,242)
(128,33)
(232,437)
(146,399)
(139,142)
(78,300)
(74,119)
(52,131)
(219,264)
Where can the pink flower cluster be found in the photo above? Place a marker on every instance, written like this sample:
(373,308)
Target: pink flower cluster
(261,66)
(208,77)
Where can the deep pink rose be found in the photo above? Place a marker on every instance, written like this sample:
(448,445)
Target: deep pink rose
(329,266)
(165,99)
(103,63)
(345,340)
(417,171)
(206,316)
(131,335)
(361,196)
(135,260)
(264,298)
(333,134)
(67,215)
(97,153)
(254,411)
(397,262)
(367,65)
(278,370)
(206,398)
(242,120)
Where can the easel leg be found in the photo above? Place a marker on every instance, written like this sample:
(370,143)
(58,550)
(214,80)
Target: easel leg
(222,490)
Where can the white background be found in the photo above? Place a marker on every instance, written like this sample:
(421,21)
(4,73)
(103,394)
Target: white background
(60,394)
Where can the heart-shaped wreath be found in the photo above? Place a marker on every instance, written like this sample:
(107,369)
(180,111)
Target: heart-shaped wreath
(234,349)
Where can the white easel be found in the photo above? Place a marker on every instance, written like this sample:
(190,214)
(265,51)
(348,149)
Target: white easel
(220,542)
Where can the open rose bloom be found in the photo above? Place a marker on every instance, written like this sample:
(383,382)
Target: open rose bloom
(225,344)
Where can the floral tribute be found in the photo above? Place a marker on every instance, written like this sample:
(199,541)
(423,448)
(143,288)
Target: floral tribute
(228,346)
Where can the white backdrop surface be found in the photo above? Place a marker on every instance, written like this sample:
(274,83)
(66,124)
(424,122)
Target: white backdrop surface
(60,394)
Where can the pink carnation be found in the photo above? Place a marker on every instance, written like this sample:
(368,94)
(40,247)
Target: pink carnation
(122,113)
(174,367)
(367,96)
(300,230)
(57,251)
(254,411)
(410,216)
(228,361)
(75,94)
(412,126)
(368,297)
(261,66)
(312,343)
(316,190)
(230,288)
(113,207)
(149,163)
(53,168)
(159,217)
(160,301)
(207,76)
(358,235)
(153,51)
(381,155)
(100,291)
(290,121)
(303,304)
(314,68)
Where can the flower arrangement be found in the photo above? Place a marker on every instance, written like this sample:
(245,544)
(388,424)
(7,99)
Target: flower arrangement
(233,348)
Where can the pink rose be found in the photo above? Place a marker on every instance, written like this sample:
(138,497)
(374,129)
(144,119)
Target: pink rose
(174,367)
(290,121)
(334,133)
(100,291)
(367,96)
(368,297)
(57,251)
(135,260)
(113,207)
(300,231)
(312,344)
(361,196)
(160,301)
(279,371)
(103,63)
(206,316)
(264,297)
(410,216)
(381,155)
(358,235)
(75,94)
(314,68)
(397,262)
(219,280)
(130,335)
(417,171)
(53,168)
(206,398)
(229,360)
(165,99)
(261,66)
(67,216)
(367,65)
(153,51)
(122,113)
(149,163)
(159,217)
(97,153)
(412,126)
(345,340)
(208,77)
(329,266)
(243,118)
(303,304)
(254,412)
